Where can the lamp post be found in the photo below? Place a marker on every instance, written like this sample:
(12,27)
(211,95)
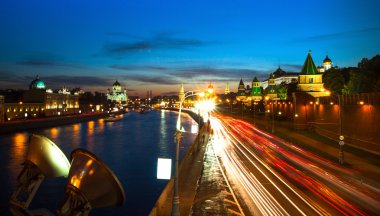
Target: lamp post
(341,137)
(254,102)
(179,130)
(272,117)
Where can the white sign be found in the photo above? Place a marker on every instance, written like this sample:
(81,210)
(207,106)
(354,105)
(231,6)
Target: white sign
(164,168)
(341,143)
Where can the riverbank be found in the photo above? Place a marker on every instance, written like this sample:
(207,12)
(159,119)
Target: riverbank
(9,127)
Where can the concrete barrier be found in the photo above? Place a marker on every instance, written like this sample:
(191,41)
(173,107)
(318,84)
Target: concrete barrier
(190,170)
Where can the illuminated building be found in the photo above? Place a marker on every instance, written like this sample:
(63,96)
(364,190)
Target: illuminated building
(271,91)
(39,102)
(255,90)
(117,94)
(227,90)
(181,92)
(310,80)
(280,76)
(241,94)
(327,64)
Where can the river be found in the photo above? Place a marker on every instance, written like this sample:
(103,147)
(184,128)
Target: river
(130,147)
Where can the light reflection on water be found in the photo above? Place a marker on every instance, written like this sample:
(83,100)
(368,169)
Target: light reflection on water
(130,147)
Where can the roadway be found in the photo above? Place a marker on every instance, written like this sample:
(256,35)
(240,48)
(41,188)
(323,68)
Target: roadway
(273,177)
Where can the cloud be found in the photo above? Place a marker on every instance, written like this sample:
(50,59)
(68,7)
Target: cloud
(139,68)
(154,79)
(194,75)
(292,67)
(224,73)
(163,41)
(47,63)
(10,80)
(338,35)
(60,80)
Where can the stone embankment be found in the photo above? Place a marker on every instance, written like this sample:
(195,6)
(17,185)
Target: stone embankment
(9,127)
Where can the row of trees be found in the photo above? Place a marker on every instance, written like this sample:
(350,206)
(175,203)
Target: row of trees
(362,79)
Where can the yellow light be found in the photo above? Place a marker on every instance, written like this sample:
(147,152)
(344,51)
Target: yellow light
(210,90)
(279,113)
(266,98)
(201,94)
(228,100)
(311,102)
(20,102)
(296,115)
(331,103)
(361,102)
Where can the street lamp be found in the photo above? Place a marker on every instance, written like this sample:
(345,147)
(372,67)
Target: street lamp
(179,130)
(341,137)
(206,105)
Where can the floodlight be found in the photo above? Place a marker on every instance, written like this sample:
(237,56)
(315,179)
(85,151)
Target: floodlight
(91,184)
(44,159)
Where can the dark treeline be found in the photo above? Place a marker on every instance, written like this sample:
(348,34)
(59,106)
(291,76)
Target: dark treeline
(361,79)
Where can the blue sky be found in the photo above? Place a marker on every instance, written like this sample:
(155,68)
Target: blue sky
(154,45)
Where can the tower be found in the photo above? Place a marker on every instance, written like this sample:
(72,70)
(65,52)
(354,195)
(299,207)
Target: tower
(241,88)
(256,90)
(327,63)
(271,91)
(227,90)
(310,80)
(241,91)
(181,92)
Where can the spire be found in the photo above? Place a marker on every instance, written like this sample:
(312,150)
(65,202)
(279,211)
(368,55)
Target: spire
(256,90)
(309,66)
(181,92)
(227,90)
(241,88)
(241,85)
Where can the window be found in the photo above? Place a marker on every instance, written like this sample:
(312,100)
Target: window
(310,80)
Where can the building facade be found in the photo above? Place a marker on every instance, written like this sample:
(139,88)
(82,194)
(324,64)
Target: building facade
(310,80)
(256,90)
(281,76)
(41,102)
(117,94)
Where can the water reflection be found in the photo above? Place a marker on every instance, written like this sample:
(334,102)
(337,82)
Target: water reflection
(18,153)
(90,137)
(90,128)
(162,145)
(54,133)
(76,137)
(129,147)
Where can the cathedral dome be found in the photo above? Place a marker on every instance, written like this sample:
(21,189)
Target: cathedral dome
(327,60)
(116,83)
(37,84)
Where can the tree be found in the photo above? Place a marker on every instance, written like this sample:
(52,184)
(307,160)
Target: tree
(333,80)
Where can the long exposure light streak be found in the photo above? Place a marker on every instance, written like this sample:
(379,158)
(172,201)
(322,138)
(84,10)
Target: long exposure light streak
(272,174)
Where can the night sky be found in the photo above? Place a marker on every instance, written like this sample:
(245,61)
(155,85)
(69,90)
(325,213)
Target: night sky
(154,45)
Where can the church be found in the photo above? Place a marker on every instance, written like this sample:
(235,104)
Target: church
(117,94)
